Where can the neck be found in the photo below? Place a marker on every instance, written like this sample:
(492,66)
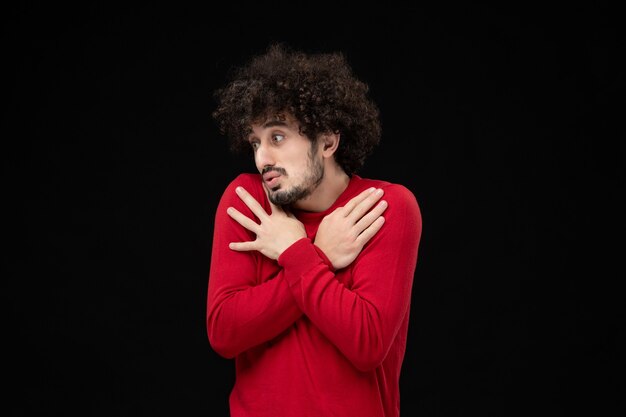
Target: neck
(334,183)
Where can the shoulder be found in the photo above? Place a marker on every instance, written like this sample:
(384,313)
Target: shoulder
(396,194)
(245,180)
(251,182)
(403,219)
(403,212)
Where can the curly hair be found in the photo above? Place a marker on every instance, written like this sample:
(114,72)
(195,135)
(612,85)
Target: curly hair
(318,90)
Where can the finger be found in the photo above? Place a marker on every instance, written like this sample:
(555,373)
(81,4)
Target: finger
(356,200)
(242,246)
(273,206)
(242,219)
(370,232)
(252,204)
(370,217)
(364,206)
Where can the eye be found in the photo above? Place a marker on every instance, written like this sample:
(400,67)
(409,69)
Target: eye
(278,137)
(254,144)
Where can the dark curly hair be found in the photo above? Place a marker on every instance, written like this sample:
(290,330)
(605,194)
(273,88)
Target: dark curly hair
(319,90)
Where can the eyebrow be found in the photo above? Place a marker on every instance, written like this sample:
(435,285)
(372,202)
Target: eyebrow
(269,123)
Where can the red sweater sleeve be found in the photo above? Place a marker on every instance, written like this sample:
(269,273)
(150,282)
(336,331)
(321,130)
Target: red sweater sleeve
(241,312)
(363,320)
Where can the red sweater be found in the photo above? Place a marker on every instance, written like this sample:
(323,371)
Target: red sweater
(308,340)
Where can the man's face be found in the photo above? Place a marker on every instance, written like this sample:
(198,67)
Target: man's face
(289,162)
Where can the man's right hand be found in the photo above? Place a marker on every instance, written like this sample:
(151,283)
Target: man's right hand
(275,233)
(343,233)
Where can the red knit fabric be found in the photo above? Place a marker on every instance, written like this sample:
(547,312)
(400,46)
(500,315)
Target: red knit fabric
(308,340)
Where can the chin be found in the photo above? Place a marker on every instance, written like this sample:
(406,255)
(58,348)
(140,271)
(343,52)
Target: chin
(281,197)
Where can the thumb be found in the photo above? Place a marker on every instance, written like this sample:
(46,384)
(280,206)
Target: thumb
(289,213)
(274,207)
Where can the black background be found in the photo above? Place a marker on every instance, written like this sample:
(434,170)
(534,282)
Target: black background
(505,122)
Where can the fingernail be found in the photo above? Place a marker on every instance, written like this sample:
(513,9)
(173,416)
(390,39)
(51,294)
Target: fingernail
(379,192)
(238,189)
(371,190)
(383,203)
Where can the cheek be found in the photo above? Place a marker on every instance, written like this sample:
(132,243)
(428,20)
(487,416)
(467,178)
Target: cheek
(257,163)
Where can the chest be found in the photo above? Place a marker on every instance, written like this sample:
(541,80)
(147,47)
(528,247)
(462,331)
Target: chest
(268,268)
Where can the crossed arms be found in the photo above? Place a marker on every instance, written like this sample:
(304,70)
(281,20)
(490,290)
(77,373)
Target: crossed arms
(361,319)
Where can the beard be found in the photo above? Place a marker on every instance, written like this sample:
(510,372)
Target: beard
(313,178)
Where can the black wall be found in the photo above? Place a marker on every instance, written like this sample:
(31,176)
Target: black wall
(505,122)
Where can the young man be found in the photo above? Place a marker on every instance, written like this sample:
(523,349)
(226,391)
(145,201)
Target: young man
(310,286)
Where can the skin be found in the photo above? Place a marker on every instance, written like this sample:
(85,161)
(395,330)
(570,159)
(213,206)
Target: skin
(302,174)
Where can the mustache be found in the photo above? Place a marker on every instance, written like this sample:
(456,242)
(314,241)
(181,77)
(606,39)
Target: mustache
(277,169)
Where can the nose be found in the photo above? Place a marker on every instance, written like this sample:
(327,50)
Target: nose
(264,156)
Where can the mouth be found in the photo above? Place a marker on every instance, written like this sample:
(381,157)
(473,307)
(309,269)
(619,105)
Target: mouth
(271,179)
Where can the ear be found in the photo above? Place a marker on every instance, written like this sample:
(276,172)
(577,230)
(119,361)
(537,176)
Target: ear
(329,143)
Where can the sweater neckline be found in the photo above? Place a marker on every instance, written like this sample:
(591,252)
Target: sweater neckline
(348,193)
